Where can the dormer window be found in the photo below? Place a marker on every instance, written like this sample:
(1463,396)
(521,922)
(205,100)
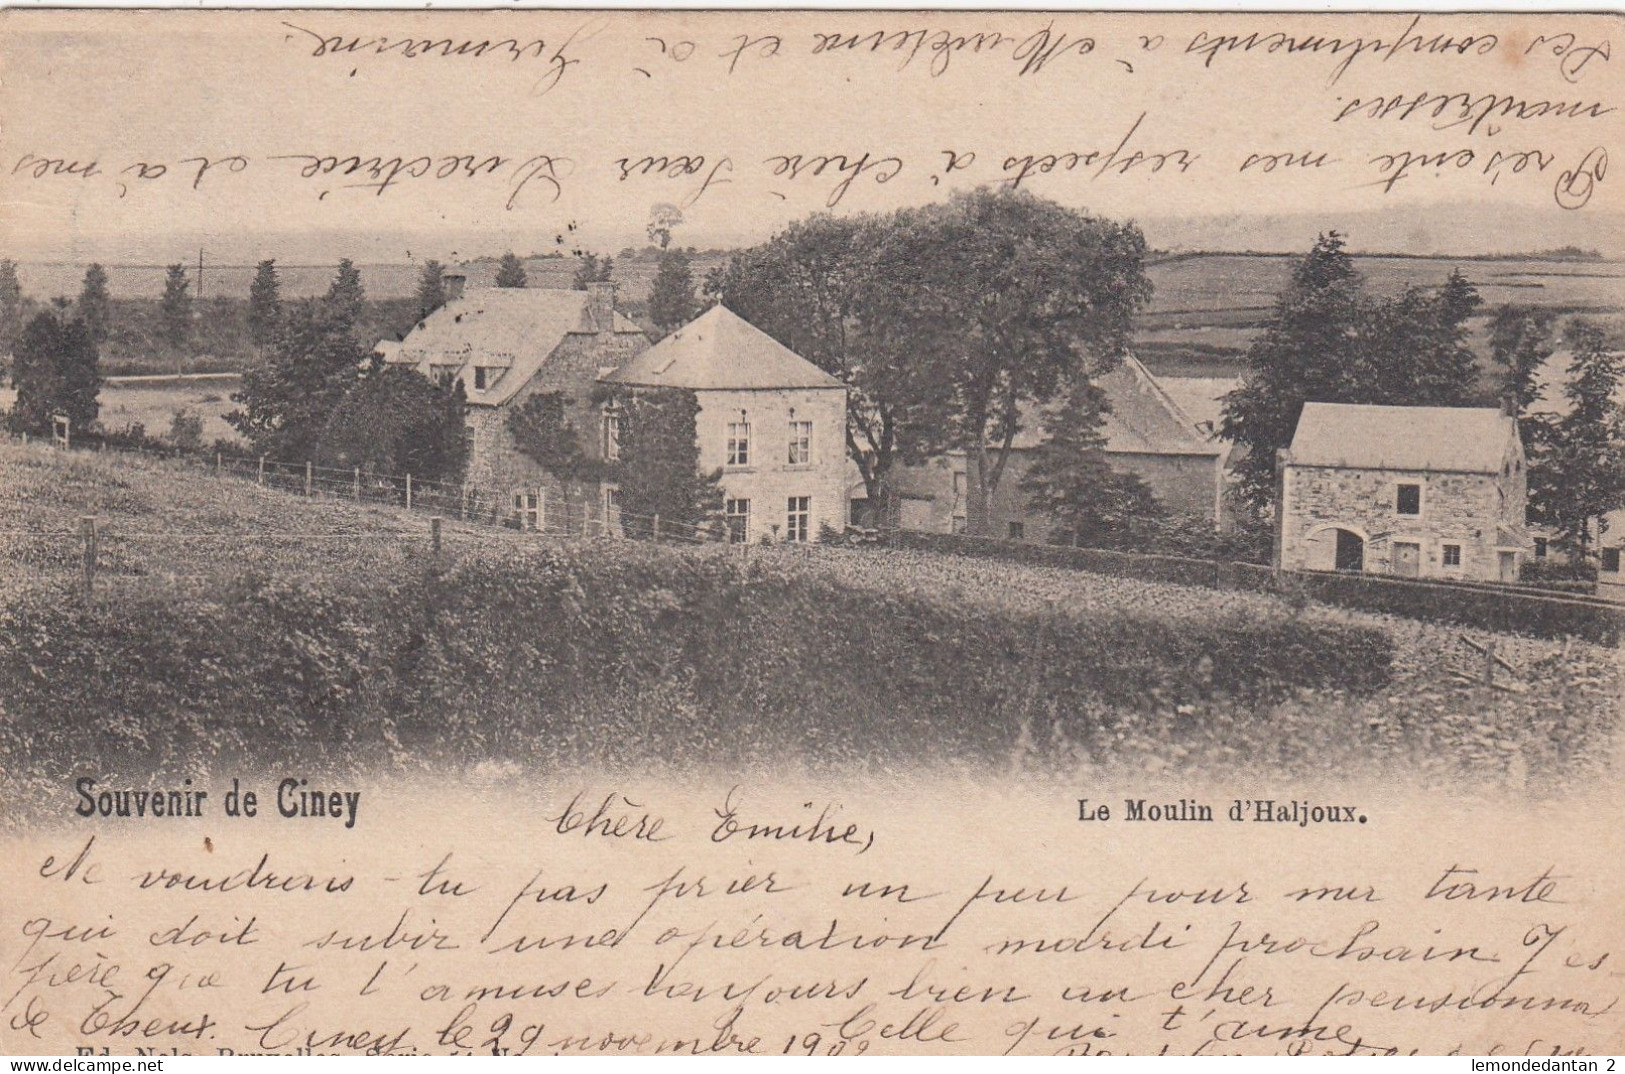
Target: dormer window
(480,378)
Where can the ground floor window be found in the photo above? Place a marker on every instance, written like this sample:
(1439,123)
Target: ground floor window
(797,517)
(527,509)
(1540,548)
(1450,555)
(738,515)
(1610,560)
(1018,531)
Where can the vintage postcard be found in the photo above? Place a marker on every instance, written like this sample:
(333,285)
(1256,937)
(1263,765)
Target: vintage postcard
(817,533)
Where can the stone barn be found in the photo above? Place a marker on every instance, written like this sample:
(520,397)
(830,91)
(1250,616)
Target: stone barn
(1417,492)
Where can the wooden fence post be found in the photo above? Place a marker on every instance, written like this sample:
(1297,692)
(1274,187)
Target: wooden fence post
(408,492)
(434,534)
(87,526)
(307,477)
(358,484)
(216,461)
(462,504)
(657,526)
(262,469)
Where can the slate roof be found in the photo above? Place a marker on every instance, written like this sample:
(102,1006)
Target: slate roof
(1201,397)
(719,350)
(510,328)
(1441,438)
(1144,419)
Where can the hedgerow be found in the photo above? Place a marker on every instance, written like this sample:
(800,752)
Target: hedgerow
(593,652)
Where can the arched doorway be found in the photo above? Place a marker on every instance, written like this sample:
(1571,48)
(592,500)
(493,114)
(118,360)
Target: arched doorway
(1350,551)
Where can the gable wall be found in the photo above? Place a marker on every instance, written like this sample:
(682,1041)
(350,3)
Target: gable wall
(497,464)
(1456,508)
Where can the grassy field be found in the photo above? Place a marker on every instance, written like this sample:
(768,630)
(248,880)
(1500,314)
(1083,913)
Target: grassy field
(259,572)
(153,404)
(1208,307)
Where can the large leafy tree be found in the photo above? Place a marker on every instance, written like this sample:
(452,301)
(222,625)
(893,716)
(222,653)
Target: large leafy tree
(55,371)
(671,298)
(1071,483)
(1581,473)
(1328,341)
(11,305)
(346,295)
(658,472)
(312,363)
(175,309)
(94,303)
(511,271)
(264,304)
(1002,298)
(1308,350)
(803,287)
(664,218)
(431,288)
(394,420)
(1522,340)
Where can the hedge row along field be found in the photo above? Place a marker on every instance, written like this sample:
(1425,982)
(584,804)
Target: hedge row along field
(233,620)
(612,650)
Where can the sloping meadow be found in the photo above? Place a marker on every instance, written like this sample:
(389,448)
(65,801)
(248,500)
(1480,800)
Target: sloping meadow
(613,651)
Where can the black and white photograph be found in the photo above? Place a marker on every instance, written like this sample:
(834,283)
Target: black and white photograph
(811,532)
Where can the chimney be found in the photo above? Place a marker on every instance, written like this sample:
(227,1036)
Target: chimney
(453,283)
(601,305)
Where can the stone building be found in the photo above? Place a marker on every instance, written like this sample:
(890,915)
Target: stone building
(1420,492)
(1147,433)
(771,421)
(505,345)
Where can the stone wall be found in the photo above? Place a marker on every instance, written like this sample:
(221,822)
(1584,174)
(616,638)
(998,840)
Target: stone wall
(770,480)
(496,463)
(1456,508)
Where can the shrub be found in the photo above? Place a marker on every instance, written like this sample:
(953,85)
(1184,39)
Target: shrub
(185,430)
(523,652)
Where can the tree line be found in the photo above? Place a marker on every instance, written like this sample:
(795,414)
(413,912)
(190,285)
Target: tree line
(1329,339)
(955,325)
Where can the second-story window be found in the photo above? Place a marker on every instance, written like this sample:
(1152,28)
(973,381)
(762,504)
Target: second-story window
(612,434)
(1408,500)
(739,443)
(800,443)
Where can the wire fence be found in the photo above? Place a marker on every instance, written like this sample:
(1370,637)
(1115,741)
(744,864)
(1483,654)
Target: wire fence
(101,553)
(535,509)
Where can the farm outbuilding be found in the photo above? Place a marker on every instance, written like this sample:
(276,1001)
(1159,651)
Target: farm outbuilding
(1418,492)
(1147,433)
